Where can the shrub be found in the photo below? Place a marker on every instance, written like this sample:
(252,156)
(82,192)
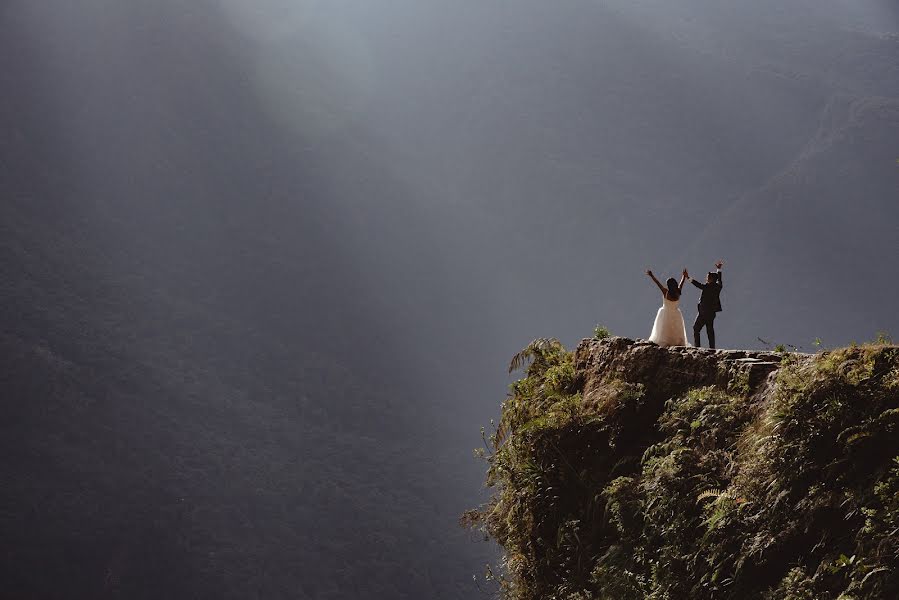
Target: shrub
(600,332)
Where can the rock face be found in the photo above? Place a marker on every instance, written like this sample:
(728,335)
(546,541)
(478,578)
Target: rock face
(626,470)
(668,372)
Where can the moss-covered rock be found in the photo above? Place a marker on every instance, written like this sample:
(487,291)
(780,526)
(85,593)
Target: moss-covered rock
(625,470)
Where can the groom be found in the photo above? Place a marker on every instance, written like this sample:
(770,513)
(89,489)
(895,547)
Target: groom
(709,305)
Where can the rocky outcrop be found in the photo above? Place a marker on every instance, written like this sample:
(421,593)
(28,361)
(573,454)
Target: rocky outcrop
(669,372)
(624,470)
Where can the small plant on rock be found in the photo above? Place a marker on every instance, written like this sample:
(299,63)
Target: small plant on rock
(601,332)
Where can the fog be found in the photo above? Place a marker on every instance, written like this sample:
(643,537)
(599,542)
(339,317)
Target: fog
(264,264)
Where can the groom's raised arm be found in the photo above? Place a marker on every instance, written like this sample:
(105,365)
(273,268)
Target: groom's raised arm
(720,281)
(697,284)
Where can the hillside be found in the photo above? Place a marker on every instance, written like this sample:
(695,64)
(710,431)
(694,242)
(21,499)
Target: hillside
(200,388)
(801,213)
(626,470)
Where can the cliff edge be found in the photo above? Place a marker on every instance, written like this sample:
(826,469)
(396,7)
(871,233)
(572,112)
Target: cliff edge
(623,470)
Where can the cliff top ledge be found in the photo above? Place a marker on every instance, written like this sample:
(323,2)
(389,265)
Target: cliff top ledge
(673,370)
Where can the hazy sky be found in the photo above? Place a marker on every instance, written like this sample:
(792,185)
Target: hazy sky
(265,263)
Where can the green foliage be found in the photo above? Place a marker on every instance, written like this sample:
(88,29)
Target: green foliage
(796,585)
(791,496)
(538,350)
(600,332)
(814,459)
(738,383)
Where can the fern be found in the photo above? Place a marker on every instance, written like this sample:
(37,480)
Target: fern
(718,493)
(537,348)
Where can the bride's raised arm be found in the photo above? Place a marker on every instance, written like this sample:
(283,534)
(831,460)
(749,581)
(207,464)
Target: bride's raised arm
(653,277)
(683,278)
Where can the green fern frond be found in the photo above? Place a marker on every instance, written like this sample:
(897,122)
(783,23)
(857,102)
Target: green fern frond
(717,493)
(712,493)
(536,348)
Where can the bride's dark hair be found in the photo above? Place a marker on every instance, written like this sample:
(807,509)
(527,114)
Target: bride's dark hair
(673,290)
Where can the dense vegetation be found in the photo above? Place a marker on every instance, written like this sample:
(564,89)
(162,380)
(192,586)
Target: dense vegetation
(785,489)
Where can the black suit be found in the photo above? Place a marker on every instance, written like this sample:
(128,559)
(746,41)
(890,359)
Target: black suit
(709,306)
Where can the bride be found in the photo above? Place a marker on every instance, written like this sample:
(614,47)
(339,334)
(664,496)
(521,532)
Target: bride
(669,329)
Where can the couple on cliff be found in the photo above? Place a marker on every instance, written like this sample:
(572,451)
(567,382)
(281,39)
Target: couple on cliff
(669,329)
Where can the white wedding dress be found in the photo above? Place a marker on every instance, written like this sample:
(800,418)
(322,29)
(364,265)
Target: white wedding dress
(669,328)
